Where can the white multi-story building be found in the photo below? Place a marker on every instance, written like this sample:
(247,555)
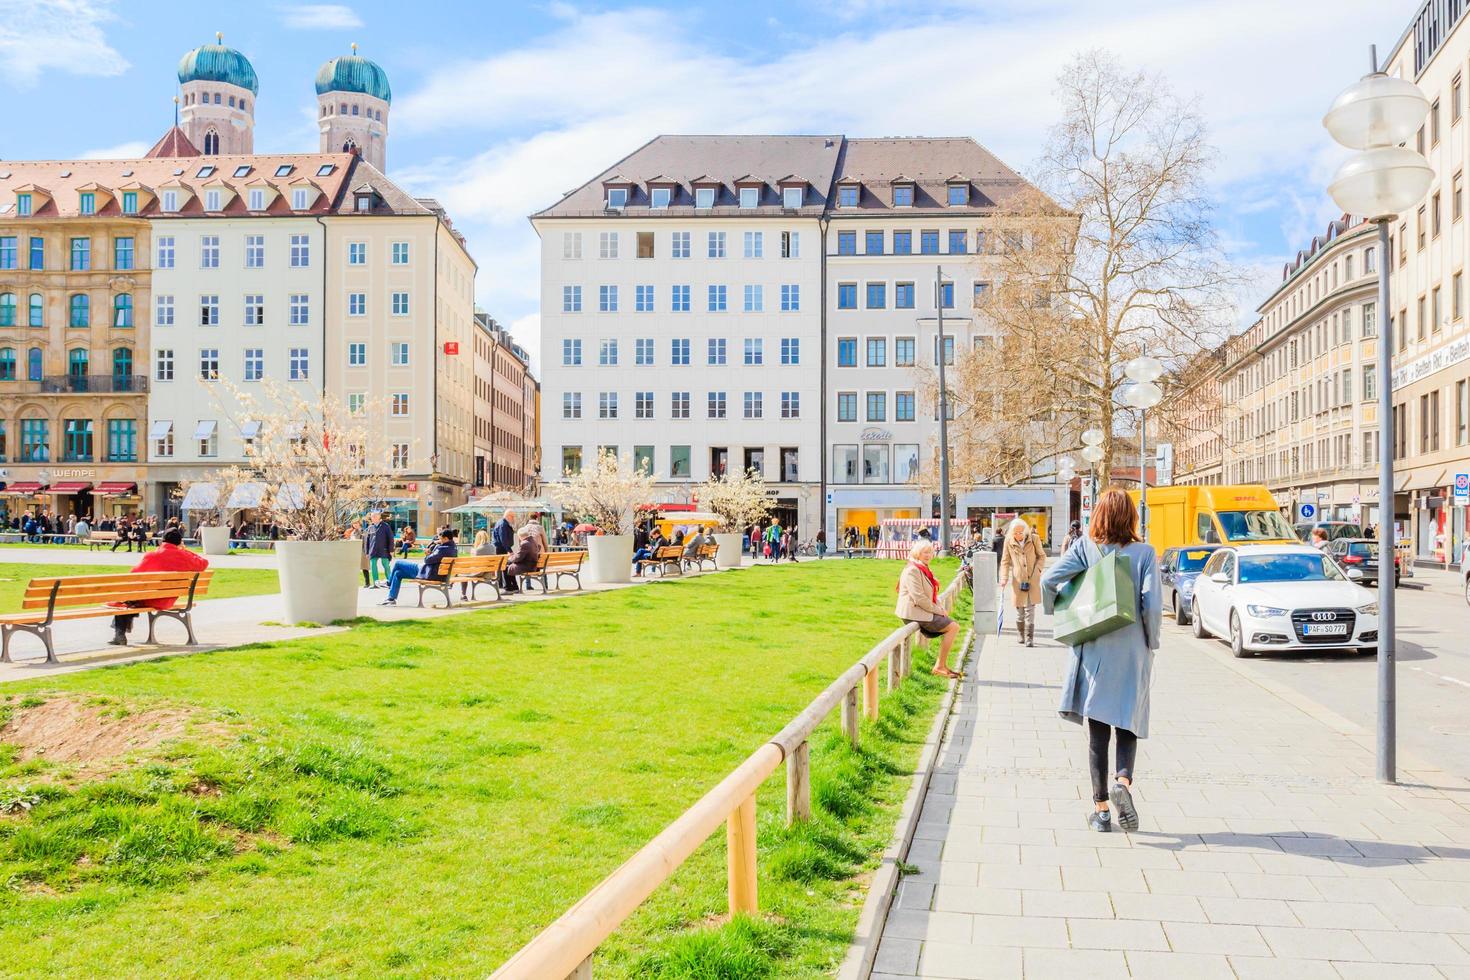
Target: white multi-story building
(908,226)
(681,315)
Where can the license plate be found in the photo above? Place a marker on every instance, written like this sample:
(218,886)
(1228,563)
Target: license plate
(1324,629)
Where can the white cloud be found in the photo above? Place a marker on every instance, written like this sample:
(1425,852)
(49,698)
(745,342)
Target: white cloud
(122,151)
(555,112)
(527,332)
(61,35)
(320,17)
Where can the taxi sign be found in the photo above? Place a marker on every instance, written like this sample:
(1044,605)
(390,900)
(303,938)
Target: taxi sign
(1462,488)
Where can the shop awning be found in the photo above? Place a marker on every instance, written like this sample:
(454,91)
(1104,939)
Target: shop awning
(247,496)
(71,486)
(200,496)
(160,429)
(24,488)
(116,489)
(249,429)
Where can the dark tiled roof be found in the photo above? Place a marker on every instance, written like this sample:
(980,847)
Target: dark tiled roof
(931,164)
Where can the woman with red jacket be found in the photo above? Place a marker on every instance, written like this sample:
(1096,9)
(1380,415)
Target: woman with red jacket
(170,556)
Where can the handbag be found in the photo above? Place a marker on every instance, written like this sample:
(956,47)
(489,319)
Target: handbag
(1097,602)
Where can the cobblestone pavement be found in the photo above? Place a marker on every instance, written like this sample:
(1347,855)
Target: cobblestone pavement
(1267,847)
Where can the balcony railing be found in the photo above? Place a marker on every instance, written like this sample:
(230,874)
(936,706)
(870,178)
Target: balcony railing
(85,384)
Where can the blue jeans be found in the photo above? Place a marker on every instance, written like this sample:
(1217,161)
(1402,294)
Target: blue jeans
(639,557)
(401,570)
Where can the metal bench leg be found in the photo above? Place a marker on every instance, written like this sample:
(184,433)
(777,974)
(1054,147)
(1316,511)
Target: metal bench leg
(5,632)
(187,619)
(152,621)
(45,634)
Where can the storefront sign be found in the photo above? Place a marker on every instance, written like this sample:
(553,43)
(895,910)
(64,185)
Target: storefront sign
(1462,489)
(1448,355)
(877,435)
(451,347)
(73,474)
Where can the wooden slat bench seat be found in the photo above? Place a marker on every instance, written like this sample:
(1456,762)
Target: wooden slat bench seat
(52,599)
(667,557)
(447,568)
(473,571)
(706,553)
(554,566)
(101,539)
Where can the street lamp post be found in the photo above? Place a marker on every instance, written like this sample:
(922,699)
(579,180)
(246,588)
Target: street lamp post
(1373,116)
(1143,395)
(1092,452)
(943,417)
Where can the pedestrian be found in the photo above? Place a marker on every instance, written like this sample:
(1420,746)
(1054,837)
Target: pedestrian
(1108,678)
(171,556)
(1021,561)
(918,602)
(821,542)
(350,533)
(83,529)
(503,537)
(378,546)
(533,523)
(442,548)
(1319,540)
(406,541)
(1074,532)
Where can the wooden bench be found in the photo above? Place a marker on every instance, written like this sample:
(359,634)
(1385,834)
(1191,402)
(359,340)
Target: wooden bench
(666,557)
(101,539)
(706,553)
(49,600)
(447,568)
(474,571)
(556,564)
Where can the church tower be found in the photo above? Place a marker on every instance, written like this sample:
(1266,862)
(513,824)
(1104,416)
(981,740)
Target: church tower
(217,87)
(353,99)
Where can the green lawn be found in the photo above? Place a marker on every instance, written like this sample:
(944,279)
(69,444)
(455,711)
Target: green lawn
(419,799)
(227,583)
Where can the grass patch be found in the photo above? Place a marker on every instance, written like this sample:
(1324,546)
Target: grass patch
(429,819)
(227,583)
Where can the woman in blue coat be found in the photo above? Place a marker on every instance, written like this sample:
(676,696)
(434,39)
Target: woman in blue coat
(1108,678)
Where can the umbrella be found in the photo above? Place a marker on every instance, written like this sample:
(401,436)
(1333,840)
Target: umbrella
(585,529)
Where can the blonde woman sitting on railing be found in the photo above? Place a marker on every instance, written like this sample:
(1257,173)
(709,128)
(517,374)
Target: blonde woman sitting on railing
(918,603)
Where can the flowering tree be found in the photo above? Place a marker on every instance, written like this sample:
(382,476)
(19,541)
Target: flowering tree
(605,493)
(319,465)
(740,501)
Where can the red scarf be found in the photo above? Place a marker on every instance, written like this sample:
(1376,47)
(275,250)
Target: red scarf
(933,582)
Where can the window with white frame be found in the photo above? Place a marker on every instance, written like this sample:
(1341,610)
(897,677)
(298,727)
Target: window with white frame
(607,352)
(753,406)
(206,435)
(400,304)
(754,244)
(165,252)
(643,299)
(679,299)
(791,404)
(790,298)
(399,459)
(790,350)
(791,197)
(209,310)
(679,405)
(299,364)
(357,253)
(169,202)
(399,253)
(679,247)
(571,352)
(750,197)
(643,404)
(571,404)
(163,311)
(300,198)
(715,405)
(255,199)
(162,436)
(571,299)
(571,244)
(716,350)
(679,351)
(717,244)
(209,252)
(607,404)
(209,364)
(300,307)
(163,364)
(607,244)
(400,404)
(660,197)
(754,351)
(607,299)
(398,353)
(754,299)
(254,310)
(790,244)
(357,354)
(704,197)
(356,402)
(643,351)
(254,251)
(357,304)
(300,251)
(254,363)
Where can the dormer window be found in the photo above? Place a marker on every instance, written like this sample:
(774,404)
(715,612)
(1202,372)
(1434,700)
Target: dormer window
(791,197)
(23,205)
(243,170)
(205,171)
(847,196)
(750,197)
(364,202)
(130,202)
(617,198)
(211,200)
(170,201)
(704,197)
(660,196)
(325,170)
(284,170)
(88,202)
(256,199)
(903,195)
(959,195)
(301,199)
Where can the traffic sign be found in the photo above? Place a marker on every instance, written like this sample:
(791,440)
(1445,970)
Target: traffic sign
(1308,511)
(1462,489)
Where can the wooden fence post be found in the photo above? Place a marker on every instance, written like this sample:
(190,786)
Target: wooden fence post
(799,784)
(908,655)
(870,694)
(740,857)
(583,971)
(895,666)
(850,716)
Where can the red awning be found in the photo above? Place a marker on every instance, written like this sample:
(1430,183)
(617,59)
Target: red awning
(70,486)
(24,488)
(116,489)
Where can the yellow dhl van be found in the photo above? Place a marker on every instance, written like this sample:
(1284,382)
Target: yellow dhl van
(1179,516)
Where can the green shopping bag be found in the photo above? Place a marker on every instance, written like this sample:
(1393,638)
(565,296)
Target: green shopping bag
(1100,600)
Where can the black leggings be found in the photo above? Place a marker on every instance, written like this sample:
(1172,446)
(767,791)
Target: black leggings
(1097,755)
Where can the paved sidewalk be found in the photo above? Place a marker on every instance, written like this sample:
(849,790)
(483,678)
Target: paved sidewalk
(1267,848)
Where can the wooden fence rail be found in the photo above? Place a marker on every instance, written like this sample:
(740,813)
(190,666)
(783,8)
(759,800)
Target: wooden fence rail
(565,948)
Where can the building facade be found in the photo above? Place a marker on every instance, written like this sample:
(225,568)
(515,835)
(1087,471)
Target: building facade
(1431,335)
(1195,423)
(505,418)
(1300,385)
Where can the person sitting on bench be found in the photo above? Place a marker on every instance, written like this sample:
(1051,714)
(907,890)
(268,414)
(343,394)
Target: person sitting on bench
(402,569)
(170,556)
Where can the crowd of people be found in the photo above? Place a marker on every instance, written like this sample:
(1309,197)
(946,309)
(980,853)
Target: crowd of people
(132,532)
(649,537)
(525,543)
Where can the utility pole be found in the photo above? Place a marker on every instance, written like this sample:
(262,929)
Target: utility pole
(943,417)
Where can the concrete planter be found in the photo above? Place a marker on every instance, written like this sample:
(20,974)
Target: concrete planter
(610,558)
(215,540)
(730,552)
(319,579)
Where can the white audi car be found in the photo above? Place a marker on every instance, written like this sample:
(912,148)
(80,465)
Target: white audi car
(1282,597)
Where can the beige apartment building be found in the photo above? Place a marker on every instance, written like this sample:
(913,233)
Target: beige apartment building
(1195,422)
(1298,389)
(1431,378)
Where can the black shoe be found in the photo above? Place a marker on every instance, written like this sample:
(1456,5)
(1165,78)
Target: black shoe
(1122,801)
(1101,821)
(119,639)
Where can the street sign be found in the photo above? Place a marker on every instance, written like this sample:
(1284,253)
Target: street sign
(1462,489)
(1308,511)
(451,347)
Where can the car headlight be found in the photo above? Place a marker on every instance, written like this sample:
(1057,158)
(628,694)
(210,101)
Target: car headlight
(1265,612)
(1371,609)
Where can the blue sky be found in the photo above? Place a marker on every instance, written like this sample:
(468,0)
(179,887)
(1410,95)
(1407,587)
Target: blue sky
(499,106)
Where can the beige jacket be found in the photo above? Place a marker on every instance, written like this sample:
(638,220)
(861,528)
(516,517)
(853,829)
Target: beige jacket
(1022,562)
(915,596)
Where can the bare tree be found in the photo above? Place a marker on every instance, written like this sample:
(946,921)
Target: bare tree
(1111,254)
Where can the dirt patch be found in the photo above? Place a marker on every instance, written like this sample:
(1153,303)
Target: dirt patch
(68,730)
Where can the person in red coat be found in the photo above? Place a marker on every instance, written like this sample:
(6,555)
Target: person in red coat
(170,556)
